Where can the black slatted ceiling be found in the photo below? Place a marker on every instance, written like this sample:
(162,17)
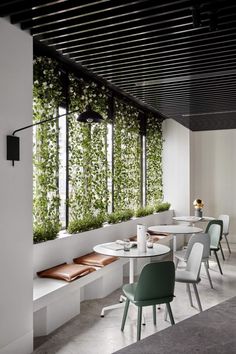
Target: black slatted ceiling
(176,56)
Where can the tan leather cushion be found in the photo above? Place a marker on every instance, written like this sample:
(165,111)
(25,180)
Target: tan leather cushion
(95,259)
(67,272)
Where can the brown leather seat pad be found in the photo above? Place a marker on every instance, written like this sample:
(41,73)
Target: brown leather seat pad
(67,272)
(95,259)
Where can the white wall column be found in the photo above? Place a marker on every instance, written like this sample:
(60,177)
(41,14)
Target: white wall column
(16,315)
(176,166)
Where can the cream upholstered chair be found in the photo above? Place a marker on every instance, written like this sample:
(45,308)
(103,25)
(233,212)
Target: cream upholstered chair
(225,219)
(203,238)
(190,275)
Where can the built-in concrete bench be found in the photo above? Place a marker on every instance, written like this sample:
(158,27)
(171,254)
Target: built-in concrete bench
(57,301)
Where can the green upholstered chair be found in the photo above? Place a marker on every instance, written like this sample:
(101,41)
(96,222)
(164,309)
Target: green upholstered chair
(225,219)
(155,286)
(215,230)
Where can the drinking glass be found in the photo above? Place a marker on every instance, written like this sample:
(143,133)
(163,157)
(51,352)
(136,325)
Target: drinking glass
(127,244)
(149,241)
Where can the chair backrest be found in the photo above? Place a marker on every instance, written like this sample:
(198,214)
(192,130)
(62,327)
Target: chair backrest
(201,238)
(156,281)
(225,219)
(195,260)
(215,230)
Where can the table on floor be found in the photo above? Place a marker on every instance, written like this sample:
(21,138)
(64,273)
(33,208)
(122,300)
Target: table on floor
(113,249)
(210,332)
(175,230)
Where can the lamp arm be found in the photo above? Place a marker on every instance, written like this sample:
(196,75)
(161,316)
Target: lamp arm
(43,121)
(13,142)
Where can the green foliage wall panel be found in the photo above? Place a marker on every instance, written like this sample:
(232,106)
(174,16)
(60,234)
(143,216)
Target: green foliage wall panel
(47,94)
(127,160)
(154,145)
(88,168)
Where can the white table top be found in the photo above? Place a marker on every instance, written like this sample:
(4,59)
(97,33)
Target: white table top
(175,229)
(193,218)
(157,250)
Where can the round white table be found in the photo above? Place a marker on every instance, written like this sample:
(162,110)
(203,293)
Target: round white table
(193,219)
(114,249)
(175,230)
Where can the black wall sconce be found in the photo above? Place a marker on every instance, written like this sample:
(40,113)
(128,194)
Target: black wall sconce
(13,142)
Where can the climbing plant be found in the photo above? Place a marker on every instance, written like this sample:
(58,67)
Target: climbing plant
(127,161)
(154,145)
(89,172)
(88,169)
(47,94)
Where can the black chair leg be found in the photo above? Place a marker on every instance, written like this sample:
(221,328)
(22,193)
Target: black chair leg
(172,321)
(218,262)
(222,253)
(227,243)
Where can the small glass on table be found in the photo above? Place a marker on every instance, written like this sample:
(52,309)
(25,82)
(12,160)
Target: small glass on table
(149,241)
(127,244)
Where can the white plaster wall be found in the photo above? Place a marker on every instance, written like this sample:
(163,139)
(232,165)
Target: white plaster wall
(176,166)
(16,253)
(213,173)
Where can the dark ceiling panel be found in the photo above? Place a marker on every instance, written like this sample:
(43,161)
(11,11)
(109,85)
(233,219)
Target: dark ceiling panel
(176,56)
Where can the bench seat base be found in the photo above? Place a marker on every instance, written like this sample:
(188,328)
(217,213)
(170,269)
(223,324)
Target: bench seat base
(57,301)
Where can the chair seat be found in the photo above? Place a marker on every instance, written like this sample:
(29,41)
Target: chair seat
(129,291)
(181,255)
(184,276)
(214,248)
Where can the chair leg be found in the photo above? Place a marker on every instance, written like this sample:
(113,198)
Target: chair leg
(172,321)
(176,262)
(189,294)
(218,262)
(125,314)
(208,274)
(226,239)
(154,314)
(165,315)
(197,297)
(139,322)
(222,253)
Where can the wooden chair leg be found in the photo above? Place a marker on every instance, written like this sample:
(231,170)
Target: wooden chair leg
(172,321)
(208,274)
(226,239)
(218,262)
(154,314)
(222,253)
(125,314)
(197,296)
(139,322)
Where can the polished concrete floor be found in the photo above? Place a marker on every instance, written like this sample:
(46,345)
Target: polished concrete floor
(89,333)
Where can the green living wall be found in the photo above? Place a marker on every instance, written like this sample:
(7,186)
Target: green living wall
(88,168)
(126,157)
(154,145)
(47,95)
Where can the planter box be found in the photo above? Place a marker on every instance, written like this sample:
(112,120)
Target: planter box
(66,247)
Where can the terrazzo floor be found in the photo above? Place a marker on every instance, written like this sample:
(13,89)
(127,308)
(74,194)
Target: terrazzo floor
(88,333)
